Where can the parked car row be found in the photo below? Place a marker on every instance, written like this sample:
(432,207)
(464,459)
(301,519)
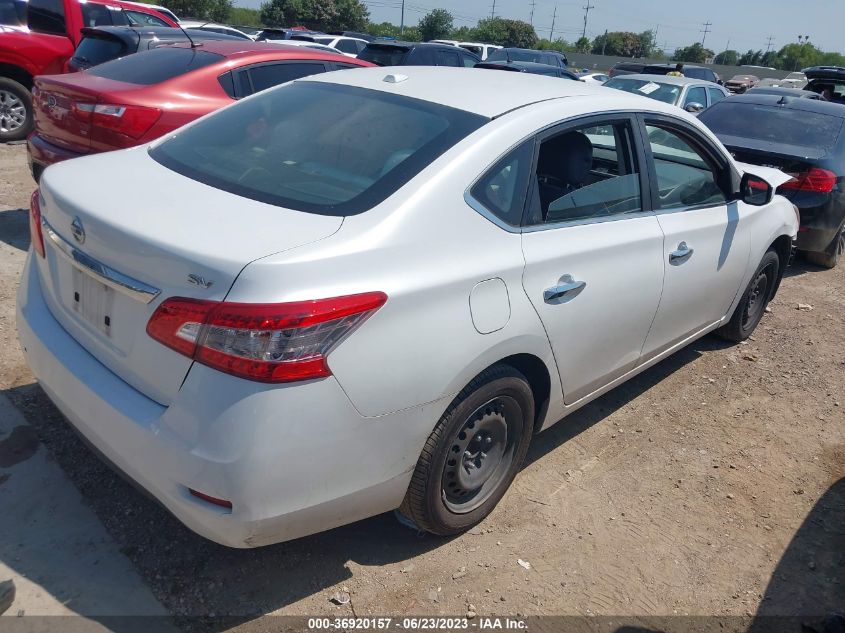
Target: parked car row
(367,290)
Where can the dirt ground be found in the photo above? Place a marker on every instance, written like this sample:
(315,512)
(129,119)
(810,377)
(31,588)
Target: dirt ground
(713,484)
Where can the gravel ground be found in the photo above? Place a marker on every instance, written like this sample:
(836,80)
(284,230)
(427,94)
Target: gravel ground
(712,484)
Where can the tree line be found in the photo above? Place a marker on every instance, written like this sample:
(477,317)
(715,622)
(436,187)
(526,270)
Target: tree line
(352,15)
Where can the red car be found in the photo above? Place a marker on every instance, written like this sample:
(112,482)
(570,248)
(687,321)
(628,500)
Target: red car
(39,36)
(135,99)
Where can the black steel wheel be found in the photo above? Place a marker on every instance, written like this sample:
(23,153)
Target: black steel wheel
(473,453)
(754,300)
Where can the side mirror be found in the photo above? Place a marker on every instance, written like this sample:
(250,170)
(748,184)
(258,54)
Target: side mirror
(694,107)
(755,191)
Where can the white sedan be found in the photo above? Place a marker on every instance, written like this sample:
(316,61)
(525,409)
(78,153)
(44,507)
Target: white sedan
(359,292)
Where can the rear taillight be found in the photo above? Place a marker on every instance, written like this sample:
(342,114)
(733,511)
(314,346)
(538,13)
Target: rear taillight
(36,235)
(267,342)
(132,120)
(816,180)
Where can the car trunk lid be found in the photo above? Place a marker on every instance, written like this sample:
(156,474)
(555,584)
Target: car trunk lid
(58,117)
(187,240)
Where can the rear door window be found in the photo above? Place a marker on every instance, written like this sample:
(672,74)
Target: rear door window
(96,14)
(448,58)
(46,16)
(152,67)
(268,75)
(347,46)
(97,50)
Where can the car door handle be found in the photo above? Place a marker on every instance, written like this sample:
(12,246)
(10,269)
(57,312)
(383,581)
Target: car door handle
(566,290)
(681,255)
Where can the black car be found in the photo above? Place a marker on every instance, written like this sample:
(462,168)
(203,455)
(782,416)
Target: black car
(789,93)
(693,72)
(552,58)
(530,67)
(396,53)
(804,138)
(828,81)
(626,68)
(104,43)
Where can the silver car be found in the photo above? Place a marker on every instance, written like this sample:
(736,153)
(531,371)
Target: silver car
(359,292)
(693,95)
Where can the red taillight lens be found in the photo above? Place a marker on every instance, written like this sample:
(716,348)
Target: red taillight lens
(131,120)
(267,342)
(36,235)
(816,180)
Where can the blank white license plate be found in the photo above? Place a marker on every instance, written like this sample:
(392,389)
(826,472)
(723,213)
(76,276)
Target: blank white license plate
(93,301)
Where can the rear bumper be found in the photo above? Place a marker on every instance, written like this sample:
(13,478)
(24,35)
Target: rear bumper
(292,459)
(41,154)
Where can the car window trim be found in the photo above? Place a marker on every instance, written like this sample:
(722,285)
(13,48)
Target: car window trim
(700,142)
(558,127)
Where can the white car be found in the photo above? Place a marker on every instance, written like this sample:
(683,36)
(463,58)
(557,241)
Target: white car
(349,46)
(597,79)
(308,44)
(358,291)
(214,28)
(482,50)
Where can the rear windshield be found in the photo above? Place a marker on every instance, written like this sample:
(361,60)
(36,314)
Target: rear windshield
(514,56)
(96,50)
(314,147)
(155,66)
(668,93)
(384,55)
(697,73)
(772,123)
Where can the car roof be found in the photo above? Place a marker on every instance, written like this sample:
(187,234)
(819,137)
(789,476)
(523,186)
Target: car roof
(664,79)
(664,65)
(477,91)
(158,32)
(237,48)
(784,91)
(409,45)
(804,105)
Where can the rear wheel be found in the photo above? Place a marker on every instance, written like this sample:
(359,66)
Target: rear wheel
(473,454)
(754,300)
(15,110)
(830,256)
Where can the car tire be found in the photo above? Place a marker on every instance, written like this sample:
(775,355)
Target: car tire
(830,256)
(754,300)
(473,454)
(16,118)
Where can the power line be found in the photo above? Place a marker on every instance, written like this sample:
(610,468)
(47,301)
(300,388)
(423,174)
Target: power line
(705,30)
(586,15)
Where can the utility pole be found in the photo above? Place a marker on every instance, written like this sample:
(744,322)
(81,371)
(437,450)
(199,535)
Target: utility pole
(492,11)
(769,43)
(552,33)
(705,30)
(533,4)
(586,15)
(402,20)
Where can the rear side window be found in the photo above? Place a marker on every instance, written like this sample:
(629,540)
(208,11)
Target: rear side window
(152,67)
(502,190)
(136,18)
(348,46)
(384,55)
(46,16)
(269,75)
(696,95)
(320,148)
(772,124)
(96,14)
(97,50)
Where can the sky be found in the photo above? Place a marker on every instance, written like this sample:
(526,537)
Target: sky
(743,24)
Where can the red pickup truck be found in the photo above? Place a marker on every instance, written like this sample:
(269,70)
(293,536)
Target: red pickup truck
(38,37)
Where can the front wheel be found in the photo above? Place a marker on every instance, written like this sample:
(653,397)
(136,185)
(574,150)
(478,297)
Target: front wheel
(754,300)
(15,111)
(473,454)
(832,255)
